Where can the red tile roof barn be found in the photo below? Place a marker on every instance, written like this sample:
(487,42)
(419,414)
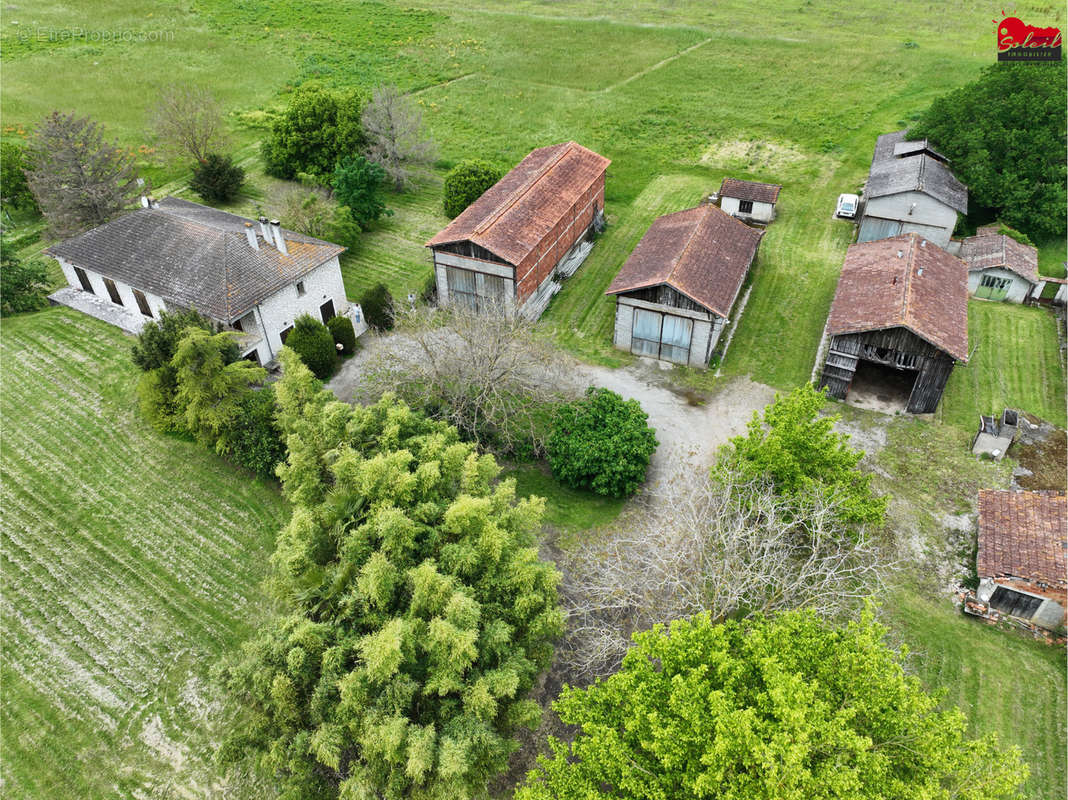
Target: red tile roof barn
(702,252)
(904,281)
(1023,535)
(987,250)
(750,190)
(514,215)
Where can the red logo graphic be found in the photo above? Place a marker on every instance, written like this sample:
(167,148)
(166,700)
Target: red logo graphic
(1018,41)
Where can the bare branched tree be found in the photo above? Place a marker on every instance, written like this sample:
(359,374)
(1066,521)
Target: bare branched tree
(189,123)
(490,373)
(308,211)
(393,125)
(78,179)
(728,547)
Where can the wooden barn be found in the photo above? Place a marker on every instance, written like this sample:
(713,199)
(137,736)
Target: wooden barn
(676,291)
(749,200)
(525,234)
(899,319)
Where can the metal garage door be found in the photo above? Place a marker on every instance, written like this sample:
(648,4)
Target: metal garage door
(873,228)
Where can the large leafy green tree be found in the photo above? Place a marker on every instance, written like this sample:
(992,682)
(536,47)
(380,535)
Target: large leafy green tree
(799,451)
(317,129)
(419,611)
(782,708)
(23,284)
(1005,136)
(466,182)
(358,186)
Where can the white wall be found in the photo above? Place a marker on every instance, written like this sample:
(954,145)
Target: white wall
(1018,288)
(704,329)
(762,212)
(281,309)
(96,280)
(929,217)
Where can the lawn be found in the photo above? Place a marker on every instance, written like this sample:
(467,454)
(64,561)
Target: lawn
(130,564)
(1015,363)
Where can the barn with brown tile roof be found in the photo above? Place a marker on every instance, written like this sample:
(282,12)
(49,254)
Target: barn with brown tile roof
(1021,557)
(675,292)
(527,232)
(901,305)
(999,267)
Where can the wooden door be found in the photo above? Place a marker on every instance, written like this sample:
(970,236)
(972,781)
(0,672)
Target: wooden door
(327,311)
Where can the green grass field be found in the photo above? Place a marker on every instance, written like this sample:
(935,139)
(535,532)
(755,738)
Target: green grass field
(131,561)
(1015,363)
(130,565)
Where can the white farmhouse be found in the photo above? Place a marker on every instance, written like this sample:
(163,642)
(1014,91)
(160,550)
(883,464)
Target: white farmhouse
(255,278)
(999,267)
(749,201)
(910,190)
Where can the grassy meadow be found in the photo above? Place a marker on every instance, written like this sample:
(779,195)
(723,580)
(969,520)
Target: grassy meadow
(130,564)
(131,561)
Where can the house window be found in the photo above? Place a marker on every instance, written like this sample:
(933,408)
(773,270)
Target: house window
(285,334)
(662,336)
(113,291)
(142,303)
(83,279)
(300,288)
(994,282)
(326,310)
(745,206)
(1015,604)
(475,290)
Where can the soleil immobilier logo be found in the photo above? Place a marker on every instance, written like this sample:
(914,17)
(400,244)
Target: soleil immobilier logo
(1018,41)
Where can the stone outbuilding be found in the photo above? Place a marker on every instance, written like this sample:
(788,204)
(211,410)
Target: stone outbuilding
(900,316)
(999,267)
(749,200)
(514,245)
(1020,562)
(252,277)
(675,293)
(910,189)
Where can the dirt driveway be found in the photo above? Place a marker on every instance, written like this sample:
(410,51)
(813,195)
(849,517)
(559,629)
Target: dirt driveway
(689,428)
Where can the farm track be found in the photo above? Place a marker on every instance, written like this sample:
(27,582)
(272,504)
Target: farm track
(129,562)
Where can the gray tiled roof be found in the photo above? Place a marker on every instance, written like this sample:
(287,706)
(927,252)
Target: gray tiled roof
(892,173)
(193,255)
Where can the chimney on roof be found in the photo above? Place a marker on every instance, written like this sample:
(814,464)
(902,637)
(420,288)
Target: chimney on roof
(923,243)
(153,202)
(264,230)
(900,253)
(250,234)
(144,201)
(280,242)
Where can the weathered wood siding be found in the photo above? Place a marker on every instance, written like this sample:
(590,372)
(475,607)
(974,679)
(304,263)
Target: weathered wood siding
(917,212)
(893,347)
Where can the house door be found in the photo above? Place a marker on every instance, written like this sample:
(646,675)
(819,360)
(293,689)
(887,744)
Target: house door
(142,302)
(83,279)
(991,287)
(113,291)
(327,311)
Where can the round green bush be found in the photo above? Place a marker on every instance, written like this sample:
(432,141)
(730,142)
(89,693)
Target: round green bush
(344,334)
(217,178)
(466,182)
(601,443)
(377,304)
(311,340)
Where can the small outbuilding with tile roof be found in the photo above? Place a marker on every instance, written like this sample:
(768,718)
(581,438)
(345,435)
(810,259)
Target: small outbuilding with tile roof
(514,245)
(253,277)
(910,189)
(749,200)
(1021,555)
(899,319)
(676,291)
(999,267)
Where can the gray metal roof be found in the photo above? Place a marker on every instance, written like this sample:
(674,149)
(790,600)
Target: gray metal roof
(196,256)
(899,165)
